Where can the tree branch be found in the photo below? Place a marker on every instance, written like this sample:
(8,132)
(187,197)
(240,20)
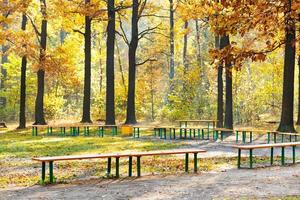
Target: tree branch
(145,61)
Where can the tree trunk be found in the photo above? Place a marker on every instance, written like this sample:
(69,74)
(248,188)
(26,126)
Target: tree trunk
(86,115)
(39,103)
(130,115)
(121,67)
(199,58)
(298,118)
(4,58)
(287,119)
(172,45)
(185,44)
(22,115)
(110,53)
(220,105)
(62,36)
(228,96)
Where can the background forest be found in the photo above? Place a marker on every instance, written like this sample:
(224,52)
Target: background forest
(176,70)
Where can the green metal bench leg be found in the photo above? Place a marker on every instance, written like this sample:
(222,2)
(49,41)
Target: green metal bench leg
(272,155)
(43,171)
(251,137)
(244,137)
(239,159)
(237,137)
(32,131)
(138,163)
(282,138)
(251,158)
(180,134)
(290,138)
(138,132)
(222,135)
(186,162)
(296,138)
(165,133)
(174,133)
(294,154)
(78,131)
(202,131)
(190,133)
(275,138)
(195,163)
(51,177)
(268,137)
(117,167)
(282,156)
(185,133)
(108,166)
(194,133)
(130,166)
(198,134)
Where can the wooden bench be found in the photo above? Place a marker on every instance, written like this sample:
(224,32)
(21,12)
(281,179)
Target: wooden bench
(117,156)
(266,146)
(192,131)
(246,131)
(220,131)
(161,131)
(74,129)
(136,130)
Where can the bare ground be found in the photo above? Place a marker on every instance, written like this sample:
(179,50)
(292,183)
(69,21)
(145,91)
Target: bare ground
(226,183)
(262,183)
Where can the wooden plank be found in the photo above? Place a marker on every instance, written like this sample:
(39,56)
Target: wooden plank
(254,130)
(135,154)
(194,120)
(223,129)
(262,146)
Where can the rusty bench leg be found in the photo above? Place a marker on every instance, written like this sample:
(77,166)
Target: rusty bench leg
(51,177)
(138,164)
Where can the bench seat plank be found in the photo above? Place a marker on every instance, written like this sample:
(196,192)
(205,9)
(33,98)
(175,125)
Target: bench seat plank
(135,154)
(262,146)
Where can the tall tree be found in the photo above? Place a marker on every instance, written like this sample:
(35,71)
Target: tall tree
(298,117)
(287,119)
(86,110)
(39,102)
(172,45)
(185,45)
(22,115)
(110,53)
(228,95)
(220,104)
(130,114)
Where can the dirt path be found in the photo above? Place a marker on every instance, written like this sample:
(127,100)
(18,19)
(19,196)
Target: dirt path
(260,183)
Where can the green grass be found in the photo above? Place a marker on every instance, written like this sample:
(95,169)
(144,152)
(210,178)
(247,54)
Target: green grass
(18,147)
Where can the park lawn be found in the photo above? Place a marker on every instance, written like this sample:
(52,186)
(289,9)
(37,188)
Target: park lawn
(18,147)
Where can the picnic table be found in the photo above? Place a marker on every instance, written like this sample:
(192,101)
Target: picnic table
(194,121)
(74,129)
